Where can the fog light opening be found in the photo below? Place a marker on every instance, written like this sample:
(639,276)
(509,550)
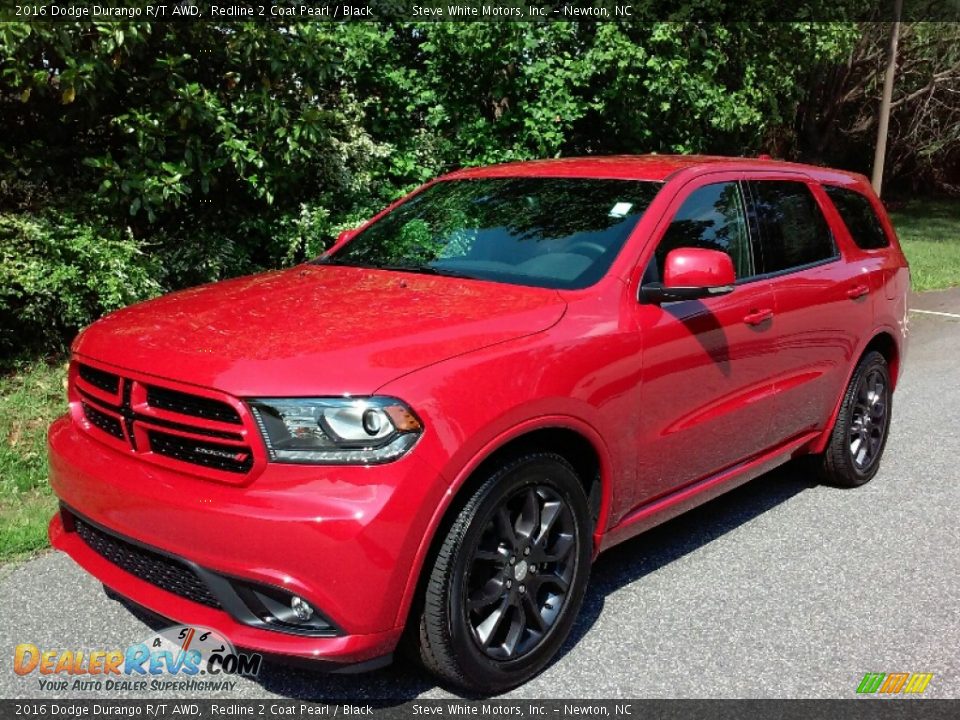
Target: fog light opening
(279,609)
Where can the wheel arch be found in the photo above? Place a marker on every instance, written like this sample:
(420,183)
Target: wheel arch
(886,344)
(883,341)
(574,440)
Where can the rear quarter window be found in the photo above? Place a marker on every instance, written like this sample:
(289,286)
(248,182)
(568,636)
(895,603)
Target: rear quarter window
(793,230)
(859,216)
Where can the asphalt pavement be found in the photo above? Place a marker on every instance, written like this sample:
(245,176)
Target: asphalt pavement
(780,589)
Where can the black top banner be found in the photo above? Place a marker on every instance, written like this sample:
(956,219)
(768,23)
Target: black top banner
(290,11)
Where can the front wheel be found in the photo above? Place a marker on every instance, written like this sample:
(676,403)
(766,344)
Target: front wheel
(858,439)
(509,577)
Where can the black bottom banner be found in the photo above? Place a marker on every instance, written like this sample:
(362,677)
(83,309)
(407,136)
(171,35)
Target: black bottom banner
(856,709)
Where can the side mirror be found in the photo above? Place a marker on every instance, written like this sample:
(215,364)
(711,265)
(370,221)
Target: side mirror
(691,274)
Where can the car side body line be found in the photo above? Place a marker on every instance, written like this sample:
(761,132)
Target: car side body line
(676,503)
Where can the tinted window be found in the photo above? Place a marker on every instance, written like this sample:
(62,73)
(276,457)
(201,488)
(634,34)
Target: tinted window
(711,218)
(859,217)
(792,228)
(548,232)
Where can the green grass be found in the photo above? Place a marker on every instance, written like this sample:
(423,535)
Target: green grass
(929,232)
(31,396)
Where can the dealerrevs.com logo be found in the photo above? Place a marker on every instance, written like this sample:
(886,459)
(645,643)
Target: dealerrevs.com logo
(178,658)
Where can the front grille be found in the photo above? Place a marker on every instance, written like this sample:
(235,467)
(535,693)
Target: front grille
(164,572)
(108,424)
(194,405)
(230,458)
(209,431)
(108,382)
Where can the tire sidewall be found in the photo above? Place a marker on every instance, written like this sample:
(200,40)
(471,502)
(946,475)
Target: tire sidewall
(874,361)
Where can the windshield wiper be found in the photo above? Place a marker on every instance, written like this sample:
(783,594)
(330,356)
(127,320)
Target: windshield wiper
(426,270)
(398,267)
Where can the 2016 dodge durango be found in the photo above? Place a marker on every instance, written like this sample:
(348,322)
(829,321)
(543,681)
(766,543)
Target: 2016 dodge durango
(427,434)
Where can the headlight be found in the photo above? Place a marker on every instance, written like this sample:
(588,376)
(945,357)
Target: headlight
(336,430)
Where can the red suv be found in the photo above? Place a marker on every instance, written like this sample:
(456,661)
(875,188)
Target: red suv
(430,432)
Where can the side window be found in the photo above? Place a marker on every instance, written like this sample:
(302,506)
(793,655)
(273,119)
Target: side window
(712,217)
(859,217)
(792,228)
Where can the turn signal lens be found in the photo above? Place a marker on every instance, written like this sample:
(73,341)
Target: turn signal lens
(402,419)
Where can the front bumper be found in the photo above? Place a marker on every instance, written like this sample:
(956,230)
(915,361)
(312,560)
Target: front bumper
(344,538)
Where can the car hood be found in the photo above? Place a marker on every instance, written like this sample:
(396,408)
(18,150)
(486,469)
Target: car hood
(315,330)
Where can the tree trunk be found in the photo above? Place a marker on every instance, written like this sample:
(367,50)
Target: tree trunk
(884,119)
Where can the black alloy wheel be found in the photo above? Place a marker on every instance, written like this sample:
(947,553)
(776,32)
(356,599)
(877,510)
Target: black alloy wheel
(852,456)
(868,424)
(509,576)
(520,572)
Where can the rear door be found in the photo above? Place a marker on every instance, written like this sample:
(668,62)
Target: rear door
(822,300)
(707,394)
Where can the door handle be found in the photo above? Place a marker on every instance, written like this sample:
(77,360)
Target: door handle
(857,292)
(757,317)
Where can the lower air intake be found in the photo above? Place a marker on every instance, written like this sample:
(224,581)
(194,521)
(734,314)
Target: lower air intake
(154,568)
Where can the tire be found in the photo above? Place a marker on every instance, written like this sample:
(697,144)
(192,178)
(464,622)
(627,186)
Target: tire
(479,627)
(865,417)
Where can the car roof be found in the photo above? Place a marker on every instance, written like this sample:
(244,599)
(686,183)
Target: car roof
(639,167)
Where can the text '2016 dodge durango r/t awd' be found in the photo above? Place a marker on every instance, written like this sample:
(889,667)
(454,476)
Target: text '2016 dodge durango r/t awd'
(430,432)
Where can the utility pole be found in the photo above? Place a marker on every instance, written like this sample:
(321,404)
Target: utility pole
(883,123)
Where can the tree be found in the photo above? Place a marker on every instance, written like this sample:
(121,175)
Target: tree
(837,121)
(883,118)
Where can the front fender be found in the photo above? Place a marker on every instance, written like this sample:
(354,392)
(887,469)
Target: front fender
(488,448)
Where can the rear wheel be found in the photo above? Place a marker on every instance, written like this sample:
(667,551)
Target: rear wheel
(860,435)
(509,577)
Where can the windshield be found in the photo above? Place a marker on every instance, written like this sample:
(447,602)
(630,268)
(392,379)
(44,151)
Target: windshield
(547,232)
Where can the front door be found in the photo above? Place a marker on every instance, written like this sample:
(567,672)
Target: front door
(707,395)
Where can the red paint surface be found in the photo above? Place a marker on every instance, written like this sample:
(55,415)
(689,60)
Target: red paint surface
(696,267)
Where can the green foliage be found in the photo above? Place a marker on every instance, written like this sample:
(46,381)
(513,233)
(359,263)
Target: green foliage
(197,151)
(167,119)
(479,93)
(837,121)
(58,274)
(30,398)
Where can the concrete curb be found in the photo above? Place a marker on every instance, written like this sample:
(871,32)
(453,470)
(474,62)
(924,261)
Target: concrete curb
(945,301)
